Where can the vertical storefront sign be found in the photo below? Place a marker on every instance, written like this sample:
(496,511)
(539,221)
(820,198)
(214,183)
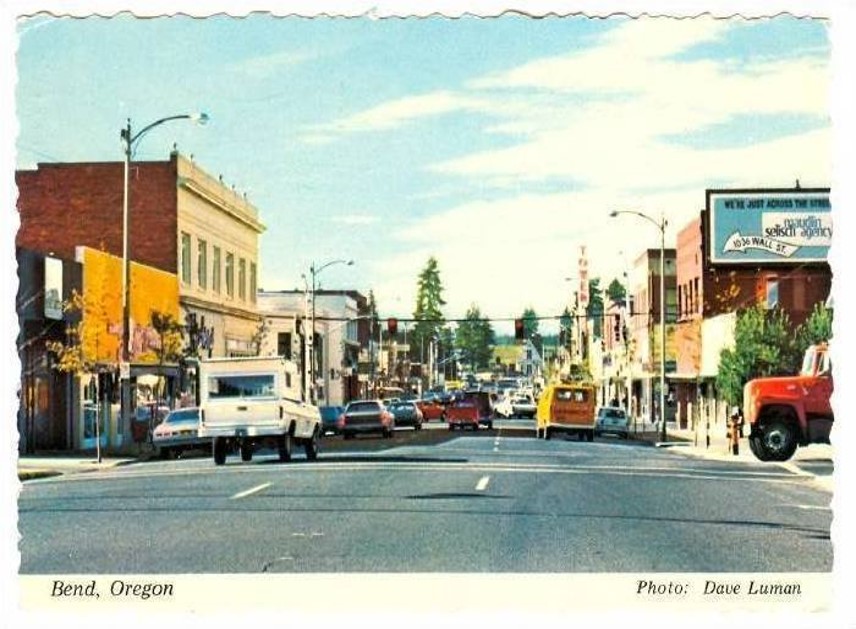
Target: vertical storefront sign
(53,288)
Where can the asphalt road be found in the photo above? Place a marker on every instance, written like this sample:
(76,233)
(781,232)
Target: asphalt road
(432,501)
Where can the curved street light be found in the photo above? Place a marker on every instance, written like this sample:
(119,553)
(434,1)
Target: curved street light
(129,139)
(661,225)
(315,272)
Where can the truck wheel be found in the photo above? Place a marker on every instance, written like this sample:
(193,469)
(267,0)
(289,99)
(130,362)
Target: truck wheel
(219,448)
(284,446)
(590,436)
(312,446)
(758,449)
(778,440)
(548,433)
(246,451)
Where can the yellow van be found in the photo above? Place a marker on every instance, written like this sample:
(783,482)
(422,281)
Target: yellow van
(568,408)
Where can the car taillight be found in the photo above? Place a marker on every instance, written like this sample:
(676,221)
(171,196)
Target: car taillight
(340,421)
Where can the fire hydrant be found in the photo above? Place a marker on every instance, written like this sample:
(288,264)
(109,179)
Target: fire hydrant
(735,428)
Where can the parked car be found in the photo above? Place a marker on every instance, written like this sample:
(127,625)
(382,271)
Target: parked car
(407,414)
(432,410)
(330,416)
(367,416)
(612,420)
(523,406)
(179,432)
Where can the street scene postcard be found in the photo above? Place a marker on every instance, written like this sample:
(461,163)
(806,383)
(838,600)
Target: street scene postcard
(343,313)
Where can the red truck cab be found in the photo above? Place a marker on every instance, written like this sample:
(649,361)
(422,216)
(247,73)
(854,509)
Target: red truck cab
(471,410)
(787,412)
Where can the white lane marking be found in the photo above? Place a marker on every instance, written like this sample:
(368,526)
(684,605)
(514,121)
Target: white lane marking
(808,507)
(250,492)
(482,484)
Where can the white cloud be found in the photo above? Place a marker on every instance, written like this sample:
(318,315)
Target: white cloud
(264,66)
(391,114)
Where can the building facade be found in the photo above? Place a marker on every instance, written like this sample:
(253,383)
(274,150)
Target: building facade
(339,319)
(183,225)
(644,331)
(747,247)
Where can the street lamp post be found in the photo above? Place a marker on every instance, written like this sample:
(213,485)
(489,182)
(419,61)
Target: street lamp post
(316,271)
(661,225)
(129,139)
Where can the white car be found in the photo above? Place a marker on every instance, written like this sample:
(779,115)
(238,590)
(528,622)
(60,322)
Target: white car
(523,406)
(503,408)
(178,432)
(612,420)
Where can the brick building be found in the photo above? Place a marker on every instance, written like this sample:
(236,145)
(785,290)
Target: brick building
(739,252)
(181,221)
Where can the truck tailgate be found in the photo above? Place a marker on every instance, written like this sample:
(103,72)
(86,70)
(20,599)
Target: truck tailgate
(225,414)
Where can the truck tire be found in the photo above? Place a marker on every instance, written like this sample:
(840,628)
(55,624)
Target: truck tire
(219,448)
(284,444)
(548,433)
(778,440)
(757,448)
(246,451)
(590,436)
(312,446)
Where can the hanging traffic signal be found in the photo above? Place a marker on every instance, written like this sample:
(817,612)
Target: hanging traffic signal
(392,326)
(616,328)
(518,329)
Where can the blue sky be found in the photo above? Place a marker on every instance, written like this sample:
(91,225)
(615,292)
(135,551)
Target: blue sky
(499,146)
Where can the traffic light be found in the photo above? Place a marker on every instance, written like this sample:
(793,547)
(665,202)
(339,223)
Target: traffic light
(392,326)
(616,328)
(518,329)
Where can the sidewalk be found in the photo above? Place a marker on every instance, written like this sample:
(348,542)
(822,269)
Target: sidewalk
(687,443)
(31,467)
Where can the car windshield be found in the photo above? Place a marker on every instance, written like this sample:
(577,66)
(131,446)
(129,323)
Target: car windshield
(363,406)
(188,415)
(612,413)
(401,406)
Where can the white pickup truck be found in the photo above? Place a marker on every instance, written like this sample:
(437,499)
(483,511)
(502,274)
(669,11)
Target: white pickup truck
(245,403)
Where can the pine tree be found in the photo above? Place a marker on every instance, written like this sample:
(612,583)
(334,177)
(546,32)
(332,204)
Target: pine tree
(428,313)
(475,338)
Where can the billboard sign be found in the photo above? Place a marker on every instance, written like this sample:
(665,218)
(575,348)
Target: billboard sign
(769,226)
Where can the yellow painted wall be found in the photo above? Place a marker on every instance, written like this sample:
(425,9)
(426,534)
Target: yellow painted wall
(150,289)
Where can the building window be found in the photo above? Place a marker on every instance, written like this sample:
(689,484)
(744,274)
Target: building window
(696,306)
(230,274)
(772,292)
(185,258)
(242,279)
(283,345)
(671,305)
(202,263)
(215,270)
(253,282)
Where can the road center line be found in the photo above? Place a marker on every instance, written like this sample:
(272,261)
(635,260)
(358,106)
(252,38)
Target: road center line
(250,492)
(482,484)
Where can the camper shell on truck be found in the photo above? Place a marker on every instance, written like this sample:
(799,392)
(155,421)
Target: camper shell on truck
(248,403)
